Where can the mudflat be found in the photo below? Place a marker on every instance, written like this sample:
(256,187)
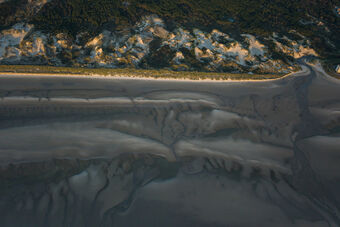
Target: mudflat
(170,152)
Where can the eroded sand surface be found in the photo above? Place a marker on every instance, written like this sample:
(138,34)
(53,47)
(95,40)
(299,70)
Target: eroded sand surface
(122,152)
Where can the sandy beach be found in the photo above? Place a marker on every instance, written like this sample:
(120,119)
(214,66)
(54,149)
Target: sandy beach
(120,76)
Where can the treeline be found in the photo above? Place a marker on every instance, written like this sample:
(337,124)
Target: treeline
(13,11)
(247,15)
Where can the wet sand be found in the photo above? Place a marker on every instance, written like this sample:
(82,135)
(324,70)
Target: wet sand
(199,153)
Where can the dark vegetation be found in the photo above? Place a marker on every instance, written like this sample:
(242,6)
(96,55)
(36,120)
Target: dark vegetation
(257,16)
(260,17)
(160,57)
(329,65)
(248,15)
(11,12)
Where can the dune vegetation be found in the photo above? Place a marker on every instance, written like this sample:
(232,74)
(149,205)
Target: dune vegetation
(132,72)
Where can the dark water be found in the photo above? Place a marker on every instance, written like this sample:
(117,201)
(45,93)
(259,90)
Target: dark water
(122,152)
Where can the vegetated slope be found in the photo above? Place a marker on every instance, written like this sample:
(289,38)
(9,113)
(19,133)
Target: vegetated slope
(308,23)
(247,16)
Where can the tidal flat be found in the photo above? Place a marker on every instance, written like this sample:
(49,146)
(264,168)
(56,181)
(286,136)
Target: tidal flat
(81,151)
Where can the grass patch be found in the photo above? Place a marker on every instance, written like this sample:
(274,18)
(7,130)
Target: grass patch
(131,72)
